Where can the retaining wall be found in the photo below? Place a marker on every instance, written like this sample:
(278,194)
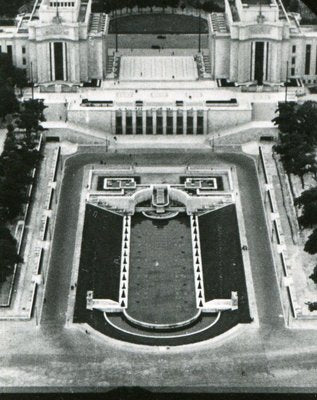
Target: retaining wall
(292,310)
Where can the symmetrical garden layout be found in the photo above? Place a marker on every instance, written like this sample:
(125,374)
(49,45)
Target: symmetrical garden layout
(161,262)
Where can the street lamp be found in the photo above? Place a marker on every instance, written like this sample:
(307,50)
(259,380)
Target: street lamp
(32,83)
(286,82)
(199,32)
(116,27)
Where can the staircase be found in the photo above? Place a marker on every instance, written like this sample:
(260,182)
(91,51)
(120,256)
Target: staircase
(207,64)
(109,68)
(97,23)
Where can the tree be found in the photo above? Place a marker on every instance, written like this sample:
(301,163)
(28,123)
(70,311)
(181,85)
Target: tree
(313,276)
(20,79)
(8,101)
(8,253)
(308,203)
(294,6)
(298,137)
(307,121)
(287,118)
(311,244)
(30,116)
(307,197)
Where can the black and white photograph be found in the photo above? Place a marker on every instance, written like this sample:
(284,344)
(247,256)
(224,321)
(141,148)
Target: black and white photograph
(158,197)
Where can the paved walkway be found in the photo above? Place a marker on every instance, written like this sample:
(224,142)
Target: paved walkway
(146,86)
(158,141)
(22,298)
(2,138)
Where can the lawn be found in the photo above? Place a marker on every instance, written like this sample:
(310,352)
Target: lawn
(221,257)
(158,23)
(161,279)
(100,258)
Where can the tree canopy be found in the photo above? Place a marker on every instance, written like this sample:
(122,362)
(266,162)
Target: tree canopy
(311,244)
(298,137)
(111,5)
(297,144)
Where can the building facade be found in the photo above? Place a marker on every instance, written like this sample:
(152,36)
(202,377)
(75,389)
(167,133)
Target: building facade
(251,42)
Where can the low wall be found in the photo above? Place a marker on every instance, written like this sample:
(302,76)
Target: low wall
(292,310)
(248,135)
(73,136)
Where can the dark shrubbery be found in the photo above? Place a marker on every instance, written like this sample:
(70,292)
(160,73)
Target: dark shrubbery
(8,253)
(111,5)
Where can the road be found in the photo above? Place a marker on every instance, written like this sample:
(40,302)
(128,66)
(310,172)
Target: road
(52,355)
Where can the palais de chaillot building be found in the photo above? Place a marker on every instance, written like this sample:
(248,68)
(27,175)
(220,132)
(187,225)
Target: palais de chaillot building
(251,41)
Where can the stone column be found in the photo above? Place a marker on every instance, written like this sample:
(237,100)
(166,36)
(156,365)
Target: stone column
(164,115)
(144,122)
(52,60)
(113,122)
(174,122)
(124,122)
(133,122)
(154,121)
(184,122)
(205,122)
(252,61)
(65,74)
(195,122)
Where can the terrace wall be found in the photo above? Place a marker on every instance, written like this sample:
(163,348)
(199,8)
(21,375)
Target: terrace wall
(292,310)
(145,41)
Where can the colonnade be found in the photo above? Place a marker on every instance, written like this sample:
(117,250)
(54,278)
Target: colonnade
(161,121)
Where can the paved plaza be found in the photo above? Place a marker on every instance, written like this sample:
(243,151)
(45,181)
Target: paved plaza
(120,267)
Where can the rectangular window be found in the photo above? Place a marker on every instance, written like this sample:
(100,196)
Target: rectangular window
(23,50)
(307,59)
(149,124)
(259,62)
(58,56)
(294,49)
(190,125)
(292,71)
(24,61)
(0,49)
(293,60)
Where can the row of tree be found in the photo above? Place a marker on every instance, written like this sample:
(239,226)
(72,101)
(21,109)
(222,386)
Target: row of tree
(19,157)
(297,146)
(108,6)
(297,124)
